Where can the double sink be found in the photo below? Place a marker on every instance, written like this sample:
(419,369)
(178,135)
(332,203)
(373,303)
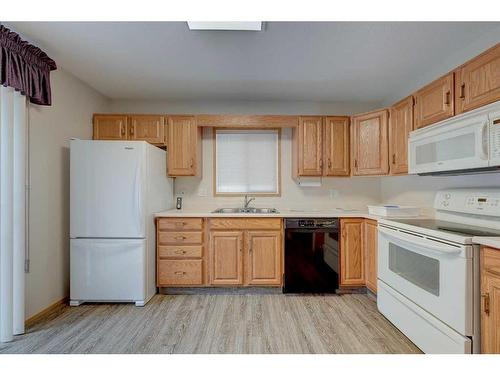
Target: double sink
(246,210)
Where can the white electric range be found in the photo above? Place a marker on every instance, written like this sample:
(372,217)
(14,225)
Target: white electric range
(428,270)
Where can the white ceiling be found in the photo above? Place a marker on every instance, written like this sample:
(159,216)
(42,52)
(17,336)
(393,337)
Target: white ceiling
(311,61)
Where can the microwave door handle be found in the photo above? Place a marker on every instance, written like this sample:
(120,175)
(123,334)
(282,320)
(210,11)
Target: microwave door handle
(484,141)
(423,243)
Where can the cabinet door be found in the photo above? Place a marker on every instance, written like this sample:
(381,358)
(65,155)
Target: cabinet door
(110,127)
(352,270)
(435,102)
(309,147)
(369,144)
(149,128)
(264,258)
(370,236)
(400,126)
(226,258)
(184,143)
(490,301)
(478,81)
(336,146)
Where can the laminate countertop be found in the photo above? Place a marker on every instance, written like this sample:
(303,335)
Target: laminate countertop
(488,241)
(283,213)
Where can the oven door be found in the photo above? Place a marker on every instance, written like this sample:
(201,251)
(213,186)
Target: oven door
(435,275)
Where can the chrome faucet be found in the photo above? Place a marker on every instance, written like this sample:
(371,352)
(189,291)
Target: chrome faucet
(247,201)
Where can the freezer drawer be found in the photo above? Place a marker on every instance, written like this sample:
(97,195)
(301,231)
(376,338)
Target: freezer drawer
(108,270)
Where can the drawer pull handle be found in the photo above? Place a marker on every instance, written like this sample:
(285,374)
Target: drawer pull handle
(180,251)
(180,238)
(180,273)
(180,223)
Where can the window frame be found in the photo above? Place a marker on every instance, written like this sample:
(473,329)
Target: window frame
(214,162)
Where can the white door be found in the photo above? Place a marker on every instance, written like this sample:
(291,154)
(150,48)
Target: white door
(107,189)
(433,274)
(107,270)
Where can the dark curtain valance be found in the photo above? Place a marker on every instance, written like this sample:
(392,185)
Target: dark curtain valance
(25,67)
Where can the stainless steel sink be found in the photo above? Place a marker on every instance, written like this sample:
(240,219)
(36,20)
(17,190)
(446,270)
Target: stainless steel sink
(249,210)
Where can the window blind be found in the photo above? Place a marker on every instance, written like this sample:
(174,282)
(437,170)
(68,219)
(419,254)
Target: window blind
(247,161)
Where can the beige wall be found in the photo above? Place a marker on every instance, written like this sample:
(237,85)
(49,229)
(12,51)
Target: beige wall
(50,131)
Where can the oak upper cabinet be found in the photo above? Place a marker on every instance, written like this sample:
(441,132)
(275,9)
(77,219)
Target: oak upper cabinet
(184,146)
(478,81)
(149,128)
(490,300)
(435,102)
(110,127)
(264,258)
(226,258)
(336,146)
(352,267)
(370,236)
(400,126)
(369,143)
(309,152)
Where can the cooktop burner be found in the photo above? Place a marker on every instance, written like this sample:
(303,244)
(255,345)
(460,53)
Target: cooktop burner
(448,226)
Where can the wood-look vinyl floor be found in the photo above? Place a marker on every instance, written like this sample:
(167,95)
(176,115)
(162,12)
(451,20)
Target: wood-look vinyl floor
(219,323)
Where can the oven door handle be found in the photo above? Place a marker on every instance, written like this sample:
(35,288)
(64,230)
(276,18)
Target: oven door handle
(423,243)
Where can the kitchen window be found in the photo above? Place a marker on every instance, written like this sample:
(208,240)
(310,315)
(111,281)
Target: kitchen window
(247,161)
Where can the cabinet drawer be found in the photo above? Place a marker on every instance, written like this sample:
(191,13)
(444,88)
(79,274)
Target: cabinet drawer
(180,272)
(183,251)
(246,224)
(180,224)
(179,238)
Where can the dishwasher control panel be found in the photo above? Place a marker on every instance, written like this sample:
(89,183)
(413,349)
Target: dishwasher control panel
(311,223)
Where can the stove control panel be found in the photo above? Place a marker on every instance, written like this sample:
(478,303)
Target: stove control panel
(469,201)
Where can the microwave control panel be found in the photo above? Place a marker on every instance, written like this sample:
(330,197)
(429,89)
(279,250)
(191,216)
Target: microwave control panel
(470,201)
(495,142)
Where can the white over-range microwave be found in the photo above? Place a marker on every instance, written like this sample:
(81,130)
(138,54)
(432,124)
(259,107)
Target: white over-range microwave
(467,143)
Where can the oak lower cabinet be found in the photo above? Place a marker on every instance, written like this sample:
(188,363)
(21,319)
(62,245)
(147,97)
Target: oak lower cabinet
(490,300)
(400,126)
(370,236)
(110,127)
(184,146)
(369,144)
(246,251)
(478,81)
(180,258)
(352,264)
(226,258)
(264,258)
(435,102)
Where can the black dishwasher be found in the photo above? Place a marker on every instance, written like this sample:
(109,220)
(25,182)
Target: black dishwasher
(311,255)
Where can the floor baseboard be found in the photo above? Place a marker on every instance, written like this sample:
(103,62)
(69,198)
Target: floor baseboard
(45,313)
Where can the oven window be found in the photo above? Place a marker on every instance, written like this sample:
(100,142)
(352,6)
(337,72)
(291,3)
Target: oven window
(418,269)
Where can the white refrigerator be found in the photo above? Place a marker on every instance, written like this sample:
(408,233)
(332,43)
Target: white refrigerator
(115,189)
